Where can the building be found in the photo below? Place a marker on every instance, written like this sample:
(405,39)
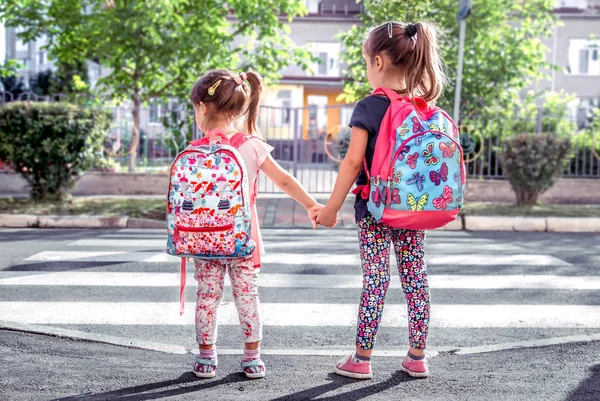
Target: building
(575,47)
(310,100)
(34,59)
(316,92)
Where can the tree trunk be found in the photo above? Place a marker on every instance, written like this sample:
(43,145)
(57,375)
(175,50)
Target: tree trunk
(526,197)
(135,138)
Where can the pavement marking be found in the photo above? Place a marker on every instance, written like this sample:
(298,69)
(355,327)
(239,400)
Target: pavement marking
(316,259)
(396,352)
(143,279)
(301,315)
(99,338)
(351,245)
(68,255)
(584,338)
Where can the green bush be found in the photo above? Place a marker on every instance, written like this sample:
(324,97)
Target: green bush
(533,161)
(51,144)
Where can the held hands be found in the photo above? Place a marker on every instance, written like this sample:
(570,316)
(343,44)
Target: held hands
(320,214)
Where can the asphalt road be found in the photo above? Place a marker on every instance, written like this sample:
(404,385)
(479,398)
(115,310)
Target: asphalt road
(497,289)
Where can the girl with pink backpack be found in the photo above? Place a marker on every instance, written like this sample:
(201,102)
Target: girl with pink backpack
(211,210)
(407,161)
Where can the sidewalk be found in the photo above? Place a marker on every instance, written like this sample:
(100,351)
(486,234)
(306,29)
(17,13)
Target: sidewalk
(280,211)
(39,367)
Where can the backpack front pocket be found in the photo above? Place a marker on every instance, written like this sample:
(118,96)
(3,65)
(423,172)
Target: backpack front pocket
(214,240)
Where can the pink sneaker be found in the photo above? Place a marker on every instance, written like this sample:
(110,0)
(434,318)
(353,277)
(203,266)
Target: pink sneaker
(348,368)
(415,368)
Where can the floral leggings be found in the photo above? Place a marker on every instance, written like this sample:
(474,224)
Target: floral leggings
(409,246)
(244,286)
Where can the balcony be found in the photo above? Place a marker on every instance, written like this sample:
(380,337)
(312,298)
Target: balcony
(334,8)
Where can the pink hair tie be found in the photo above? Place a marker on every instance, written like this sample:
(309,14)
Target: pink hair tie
(237,80)
(243,76)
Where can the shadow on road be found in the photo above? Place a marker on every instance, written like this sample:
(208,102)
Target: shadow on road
(352,395)
(589,389)
(142,392)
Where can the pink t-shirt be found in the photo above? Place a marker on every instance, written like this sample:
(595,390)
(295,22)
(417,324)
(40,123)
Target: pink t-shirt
(255,152)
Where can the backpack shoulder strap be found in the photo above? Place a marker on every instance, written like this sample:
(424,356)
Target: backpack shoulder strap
(239,138)
(390,94)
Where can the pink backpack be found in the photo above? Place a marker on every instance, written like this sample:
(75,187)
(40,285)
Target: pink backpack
(208,204)
(417,176)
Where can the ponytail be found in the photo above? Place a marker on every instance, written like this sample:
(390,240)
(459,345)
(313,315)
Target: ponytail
(412,49)
(425,76)
(228,96)
(255,82)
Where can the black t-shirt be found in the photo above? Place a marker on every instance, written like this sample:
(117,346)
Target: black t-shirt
(367,115)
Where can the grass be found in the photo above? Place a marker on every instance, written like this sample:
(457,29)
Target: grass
(132,207)
(155,208)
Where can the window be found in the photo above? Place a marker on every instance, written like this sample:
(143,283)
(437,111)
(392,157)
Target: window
(41,58)
(583,57)
(585,111)
(280,113)
(323,64)
(317,116)
(329,54)
(24,63)
(581,4)
(21,46)
(154,113)
(312,6)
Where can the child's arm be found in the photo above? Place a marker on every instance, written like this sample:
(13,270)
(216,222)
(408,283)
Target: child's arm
(347,174)
(290,185)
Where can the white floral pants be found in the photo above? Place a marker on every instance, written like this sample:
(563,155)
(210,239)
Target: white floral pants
(244,285)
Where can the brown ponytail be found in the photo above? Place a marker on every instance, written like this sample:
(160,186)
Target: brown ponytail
(228,96)
(255,82)
(412,49)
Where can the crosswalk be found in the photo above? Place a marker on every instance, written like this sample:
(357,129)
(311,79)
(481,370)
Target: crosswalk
(484,291)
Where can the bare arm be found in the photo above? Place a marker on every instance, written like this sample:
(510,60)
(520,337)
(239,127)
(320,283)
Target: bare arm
(347,174)
(290,185)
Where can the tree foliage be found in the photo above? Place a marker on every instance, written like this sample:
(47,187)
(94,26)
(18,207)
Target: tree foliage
(158,48)
(503,47)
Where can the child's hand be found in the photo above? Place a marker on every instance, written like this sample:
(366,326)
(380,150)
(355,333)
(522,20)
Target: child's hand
(327,217)
(312,214)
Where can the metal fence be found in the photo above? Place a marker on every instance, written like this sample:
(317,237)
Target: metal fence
(309,142)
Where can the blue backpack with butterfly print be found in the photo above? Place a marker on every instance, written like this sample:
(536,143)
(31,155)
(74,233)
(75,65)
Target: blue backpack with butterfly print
(417,177)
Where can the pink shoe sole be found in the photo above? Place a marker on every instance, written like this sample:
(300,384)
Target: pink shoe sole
(421,365)
(347,368)
(353,375)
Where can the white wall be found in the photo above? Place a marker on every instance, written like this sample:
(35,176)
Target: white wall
(2,43)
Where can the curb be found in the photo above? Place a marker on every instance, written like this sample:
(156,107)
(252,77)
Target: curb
(54,221)
(323,351)
(466,223)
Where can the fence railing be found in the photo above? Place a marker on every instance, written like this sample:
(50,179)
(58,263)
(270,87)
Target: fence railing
(310,141)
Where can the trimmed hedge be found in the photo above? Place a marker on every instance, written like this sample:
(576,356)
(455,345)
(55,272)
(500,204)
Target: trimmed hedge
(533,163)
(51,144)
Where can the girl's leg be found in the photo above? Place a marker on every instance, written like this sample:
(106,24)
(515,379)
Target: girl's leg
(409,246)
(210,277)
(374,243)
(244,286)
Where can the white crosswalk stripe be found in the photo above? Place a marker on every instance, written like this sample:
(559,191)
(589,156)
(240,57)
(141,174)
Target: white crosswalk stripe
(62,269)
(480,259)
(139,279)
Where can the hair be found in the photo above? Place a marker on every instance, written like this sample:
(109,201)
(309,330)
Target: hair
(232,98)
(412,49)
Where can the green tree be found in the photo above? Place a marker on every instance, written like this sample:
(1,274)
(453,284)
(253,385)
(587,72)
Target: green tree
(70,78)
(158,48)
(503,48)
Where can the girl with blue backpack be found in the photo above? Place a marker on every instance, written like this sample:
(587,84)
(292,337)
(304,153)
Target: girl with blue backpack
(407,161)
(211,210)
